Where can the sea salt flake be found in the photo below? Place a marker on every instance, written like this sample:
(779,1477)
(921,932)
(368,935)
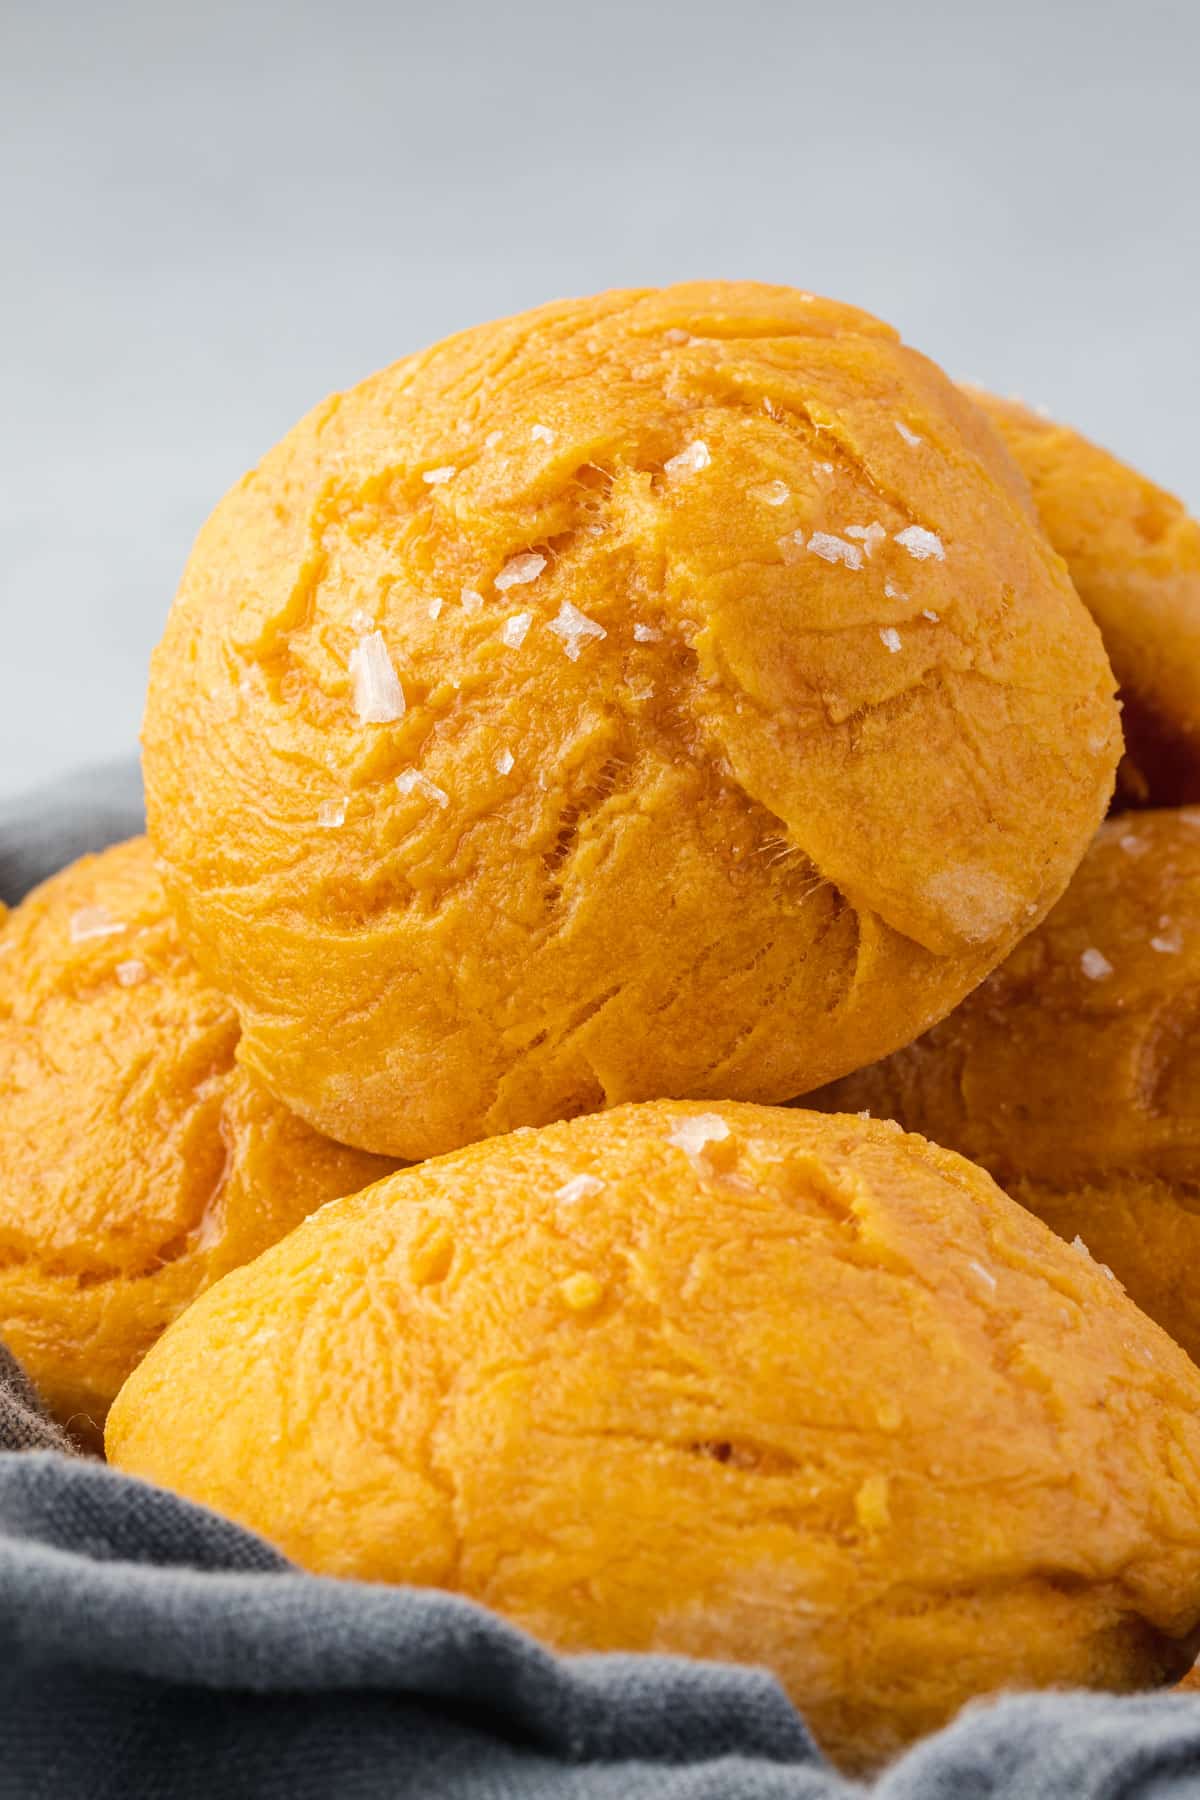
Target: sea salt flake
(910,437)
(503,763)
(515,630)
(1169,941)
(985,1275)
(491,440)
(435,477)
(378,696)
(921,544)
(131,973)
(890,637)
(361,621)
(771,493)
(520,569)
(871,536)
(1095,965)
(580,1187)
(791,547)
(435,608)
(331,814)
(833,549)
(1133,845)
(689,461)
(92,922)
(542,434)
(1077,1243)
(928,613)
(647,634)
(676,336)
(865,1113)
(574,628)
(411,781)
(691,1135)
(470,599)
(893,592)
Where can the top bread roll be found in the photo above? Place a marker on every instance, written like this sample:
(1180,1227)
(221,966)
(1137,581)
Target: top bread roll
(1134,555)
(668,693)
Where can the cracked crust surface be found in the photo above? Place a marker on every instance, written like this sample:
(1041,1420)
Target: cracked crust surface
(1073,1072)
(735,845)
(140,1162)
(1133,552)
(813,1394)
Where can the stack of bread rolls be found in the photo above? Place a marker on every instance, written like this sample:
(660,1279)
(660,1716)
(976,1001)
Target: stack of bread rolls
(567,748)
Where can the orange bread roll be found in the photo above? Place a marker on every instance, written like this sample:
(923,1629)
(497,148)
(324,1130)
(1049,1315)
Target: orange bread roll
(138,1162)
(668,692)
(738,1382)
(1073,1073)
(1134,555)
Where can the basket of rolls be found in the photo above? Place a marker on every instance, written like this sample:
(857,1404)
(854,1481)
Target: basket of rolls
(633,1098)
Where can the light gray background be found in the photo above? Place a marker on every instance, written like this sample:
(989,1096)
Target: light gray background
(213,214)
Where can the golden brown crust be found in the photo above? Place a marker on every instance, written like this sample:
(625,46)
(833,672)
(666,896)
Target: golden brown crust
(811,1394)
(1073,1072)
(1133,552)
(139,1161)
(491,945)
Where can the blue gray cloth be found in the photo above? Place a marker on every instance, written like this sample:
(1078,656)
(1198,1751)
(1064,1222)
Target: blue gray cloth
(150,1650)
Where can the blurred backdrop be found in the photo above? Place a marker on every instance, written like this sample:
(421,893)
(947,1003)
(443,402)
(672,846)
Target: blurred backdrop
(213,216)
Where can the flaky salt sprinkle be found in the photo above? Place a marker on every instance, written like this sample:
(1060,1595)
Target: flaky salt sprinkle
(890,637)
(985,1275)
(435,607)
(691,1135)
(575,628)
(870,536)
(647,634)
(1095,965)
(1169,941)
(520,569)
(410,781)
(503,763)
(542,434)
(92,922)
(689,461)
(834,549)
(361,621)
(921,544)
(910,437)
(470,599)
(491,440)
(677,336)
(1133,845)
(435,477)
(771,493)
(131,974)
(893,592)
(331,814)
(580,1187)
(515,630)
(928,613)
(378,696)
